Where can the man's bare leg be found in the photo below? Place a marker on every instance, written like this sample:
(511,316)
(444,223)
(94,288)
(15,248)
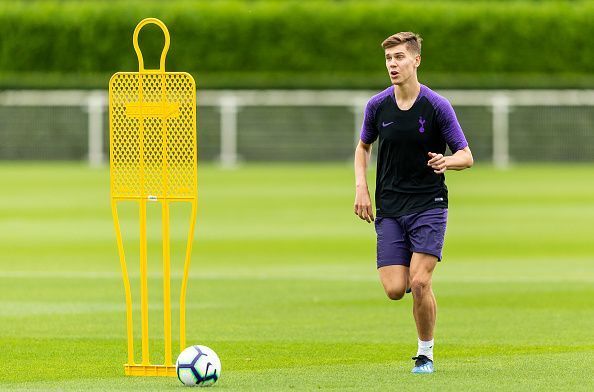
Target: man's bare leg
(424,305)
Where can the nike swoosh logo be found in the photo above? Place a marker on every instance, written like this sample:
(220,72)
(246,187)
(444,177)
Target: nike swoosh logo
(385,124)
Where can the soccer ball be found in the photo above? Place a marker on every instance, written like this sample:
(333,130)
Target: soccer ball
(198,366)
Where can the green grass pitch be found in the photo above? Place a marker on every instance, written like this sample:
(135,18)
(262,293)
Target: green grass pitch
(283,283)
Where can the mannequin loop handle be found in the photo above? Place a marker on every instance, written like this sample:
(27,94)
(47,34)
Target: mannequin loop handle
(140,25)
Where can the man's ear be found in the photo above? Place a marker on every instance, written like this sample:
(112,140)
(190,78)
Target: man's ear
(417,61)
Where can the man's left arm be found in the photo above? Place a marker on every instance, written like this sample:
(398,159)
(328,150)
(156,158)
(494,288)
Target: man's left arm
(454,136)
(460,160)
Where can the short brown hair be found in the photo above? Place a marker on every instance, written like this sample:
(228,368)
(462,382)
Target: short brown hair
(412,41)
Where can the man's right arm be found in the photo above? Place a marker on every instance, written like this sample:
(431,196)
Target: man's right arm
(363,207)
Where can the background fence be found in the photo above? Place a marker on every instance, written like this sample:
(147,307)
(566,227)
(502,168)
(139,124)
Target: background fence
(302,125)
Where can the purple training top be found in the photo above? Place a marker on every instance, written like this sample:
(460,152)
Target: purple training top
(405,184)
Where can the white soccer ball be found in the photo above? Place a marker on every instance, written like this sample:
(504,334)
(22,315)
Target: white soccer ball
(198,366)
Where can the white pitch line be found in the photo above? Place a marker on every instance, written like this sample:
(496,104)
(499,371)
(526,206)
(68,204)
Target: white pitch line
(26,308)
(315,274)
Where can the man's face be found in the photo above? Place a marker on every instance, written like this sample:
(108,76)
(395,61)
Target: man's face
(401,63)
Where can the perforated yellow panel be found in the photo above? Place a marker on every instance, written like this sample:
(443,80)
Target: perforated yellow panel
(153,135)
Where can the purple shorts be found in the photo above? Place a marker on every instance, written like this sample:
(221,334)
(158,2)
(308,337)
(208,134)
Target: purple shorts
(398,238)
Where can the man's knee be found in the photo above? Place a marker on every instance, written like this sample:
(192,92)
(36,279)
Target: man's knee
(394,279)
(420,285)
(395,293)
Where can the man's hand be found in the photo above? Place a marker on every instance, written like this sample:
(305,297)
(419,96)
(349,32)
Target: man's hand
(437,163)
(363,208)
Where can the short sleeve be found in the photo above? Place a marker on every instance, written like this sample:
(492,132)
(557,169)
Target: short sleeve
(449,126)
(369,130)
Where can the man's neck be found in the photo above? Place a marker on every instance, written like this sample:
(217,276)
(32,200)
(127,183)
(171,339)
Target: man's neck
(407,91)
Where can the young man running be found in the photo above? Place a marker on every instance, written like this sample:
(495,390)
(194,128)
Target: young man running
(413,125)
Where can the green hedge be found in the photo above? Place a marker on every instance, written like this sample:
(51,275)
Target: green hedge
(299,44)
